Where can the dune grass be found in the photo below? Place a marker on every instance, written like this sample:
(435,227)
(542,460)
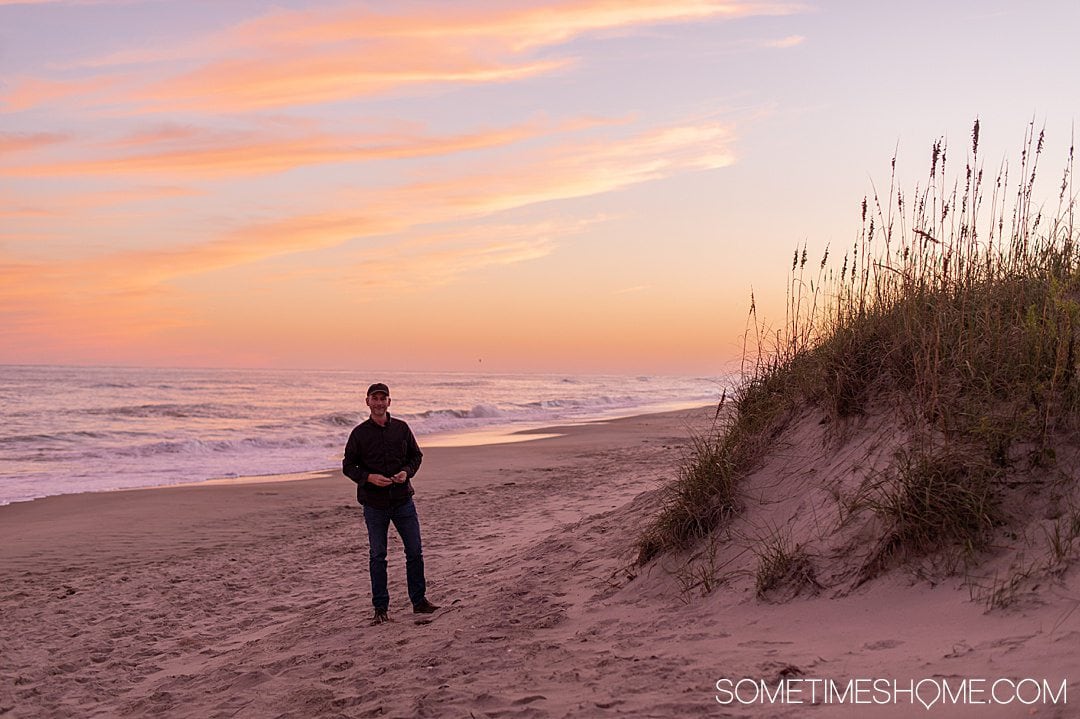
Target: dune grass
(959,306)
(931,500)
(783,569)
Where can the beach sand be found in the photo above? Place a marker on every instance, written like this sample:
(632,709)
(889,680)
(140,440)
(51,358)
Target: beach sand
(252,600)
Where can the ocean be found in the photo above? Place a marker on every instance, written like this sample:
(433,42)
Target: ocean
(65,430)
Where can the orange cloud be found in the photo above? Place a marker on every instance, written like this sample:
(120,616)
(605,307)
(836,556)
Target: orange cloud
(579,171)
(191,152)
(89,309)
(330,54)
(517,26)
(56,310)
(566,173)
(294,79)
(63,2)
(18,212)
(21,141)
(31,92)
(127,195)
(73,206)
(436,259)
(133,286)
(786,42)
(583,170)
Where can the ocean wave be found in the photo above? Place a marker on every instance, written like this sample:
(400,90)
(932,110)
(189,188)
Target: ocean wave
(170,410)
(337,419)
(78,436)
(601,401)
(467,384)
(480,411)
(202,447)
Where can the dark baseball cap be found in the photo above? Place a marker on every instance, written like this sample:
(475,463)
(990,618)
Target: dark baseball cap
(378,387)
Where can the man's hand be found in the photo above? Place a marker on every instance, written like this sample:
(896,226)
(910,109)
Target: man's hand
(379,480)
(400,477)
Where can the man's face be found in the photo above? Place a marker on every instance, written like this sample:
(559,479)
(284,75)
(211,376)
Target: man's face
(378,403)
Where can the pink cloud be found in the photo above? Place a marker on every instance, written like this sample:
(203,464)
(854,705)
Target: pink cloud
(186,151)
(21,141)
(288,58)
(786,42)
(60,294)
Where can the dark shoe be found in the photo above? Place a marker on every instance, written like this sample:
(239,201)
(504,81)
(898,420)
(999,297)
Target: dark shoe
(379,617)
(424,607)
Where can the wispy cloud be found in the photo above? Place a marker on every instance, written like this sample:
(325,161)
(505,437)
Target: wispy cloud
(510,27)
(516,26)
(75,2)
(568,172)
(187,151)
(436,259)
(88,309)
(127,195)
(80,310)
(305,78)
(588,169)
(18,212)
(59,290)
(786,42)
(288,58)
(22,141)
(30,92)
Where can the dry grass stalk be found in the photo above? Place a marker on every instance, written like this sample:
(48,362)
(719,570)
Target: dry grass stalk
(962,309)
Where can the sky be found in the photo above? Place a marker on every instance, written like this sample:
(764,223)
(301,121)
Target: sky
(589,186)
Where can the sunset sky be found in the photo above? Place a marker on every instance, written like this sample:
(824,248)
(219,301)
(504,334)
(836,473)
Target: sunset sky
(589,186)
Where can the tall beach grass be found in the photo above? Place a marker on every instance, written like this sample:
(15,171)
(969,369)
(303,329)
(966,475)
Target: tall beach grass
(957,307)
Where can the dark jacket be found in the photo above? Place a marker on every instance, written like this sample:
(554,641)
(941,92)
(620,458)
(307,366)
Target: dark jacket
(385,450)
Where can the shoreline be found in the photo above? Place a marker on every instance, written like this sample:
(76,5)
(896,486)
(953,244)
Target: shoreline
(454,454)
(485,436)
(526,431)
(488,436)
(144,427)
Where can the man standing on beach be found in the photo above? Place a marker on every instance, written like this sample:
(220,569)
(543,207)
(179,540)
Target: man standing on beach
(382,456)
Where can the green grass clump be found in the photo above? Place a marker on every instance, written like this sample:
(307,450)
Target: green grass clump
(706,491)
(958,308)
(934,500)
(783,570)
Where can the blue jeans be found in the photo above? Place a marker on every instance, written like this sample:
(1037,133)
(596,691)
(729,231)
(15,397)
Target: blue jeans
(407,524)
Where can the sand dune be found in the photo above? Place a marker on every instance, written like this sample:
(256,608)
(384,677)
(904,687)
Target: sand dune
(251,600)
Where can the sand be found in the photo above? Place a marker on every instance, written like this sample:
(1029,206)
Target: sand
(251,600)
